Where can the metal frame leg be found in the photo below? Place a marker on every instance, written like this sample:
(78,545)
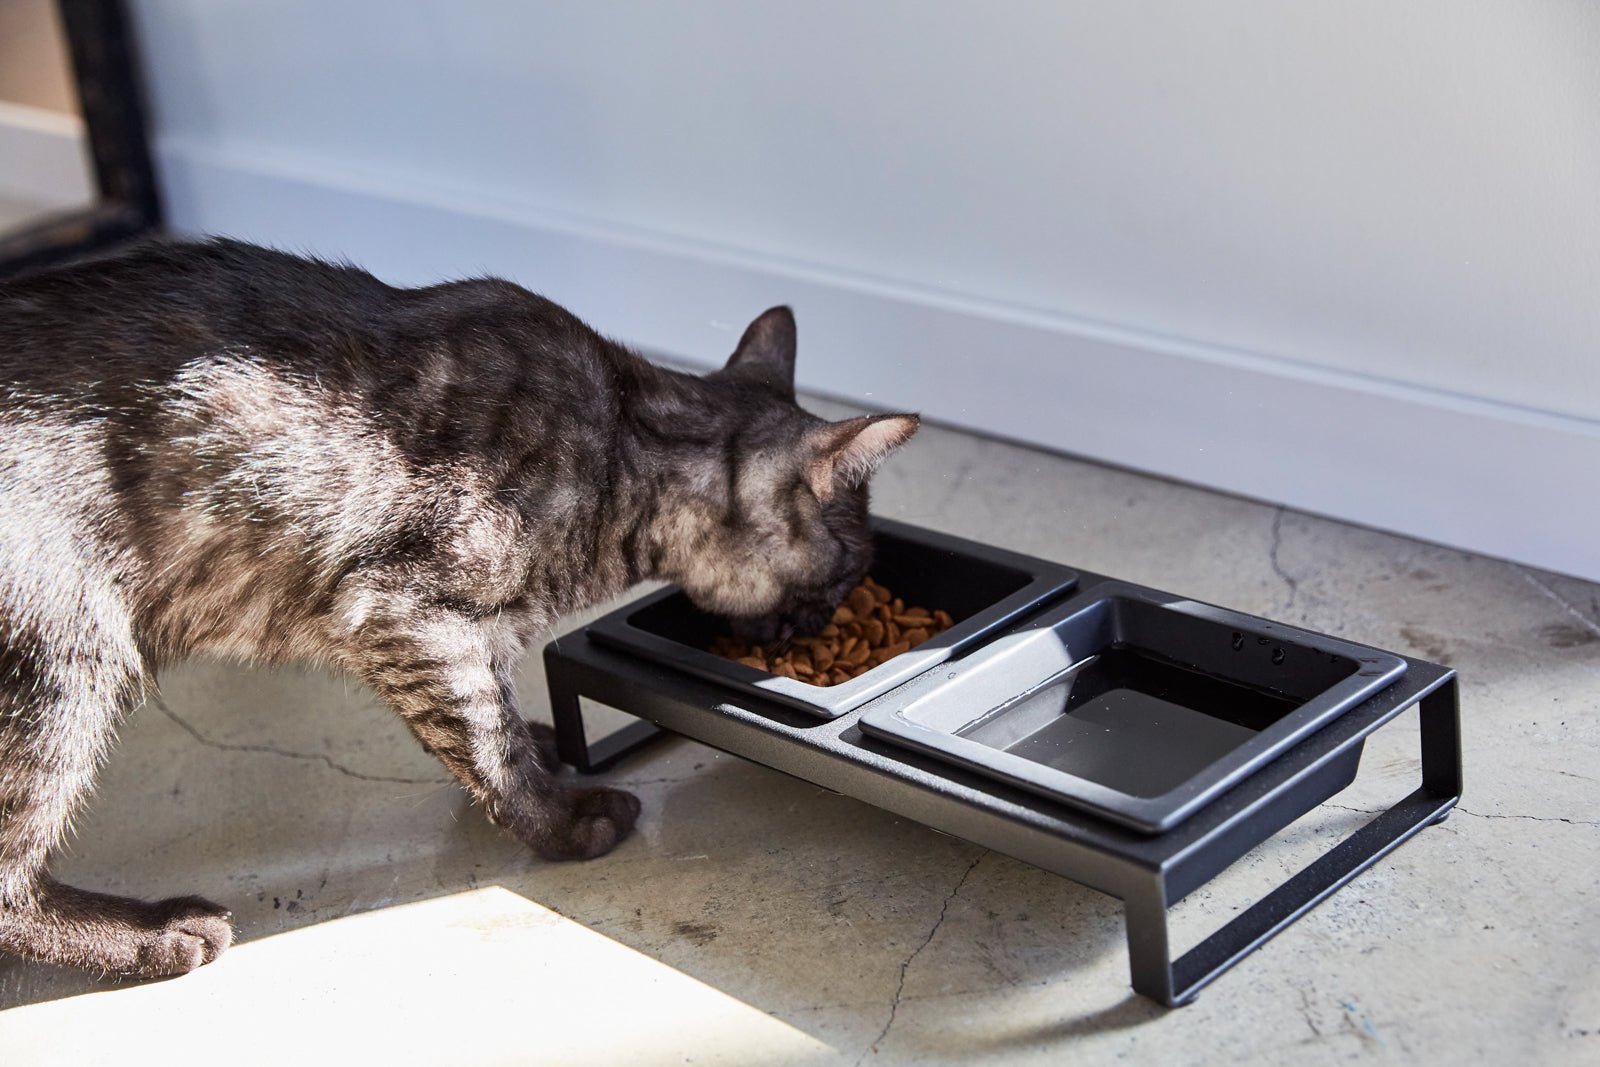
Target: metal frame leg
(1149,952)
(1174,983)
(572,740)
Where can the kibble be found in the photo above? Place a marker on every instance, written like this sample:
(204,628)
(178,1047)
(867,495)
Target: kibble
(869,628)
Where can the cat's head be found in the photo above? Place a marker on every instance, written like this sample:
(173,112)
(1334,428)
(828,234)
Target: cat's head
(765,514)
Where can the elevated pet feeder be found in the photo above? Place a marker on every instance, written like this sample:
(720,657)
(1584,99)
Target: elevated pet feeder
(1125,738)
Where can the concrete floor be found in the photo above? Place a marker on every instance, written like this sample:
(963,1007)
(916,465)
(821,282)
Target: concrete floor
(757,919)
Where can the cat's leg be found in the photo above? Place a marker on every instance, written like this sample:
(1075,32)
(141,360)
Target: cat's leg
(452,686)
(114,935)
(60,702)
(544,739)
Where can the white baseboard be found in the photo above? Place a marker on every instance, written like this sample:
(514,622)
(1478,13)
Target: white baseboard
(1482,476)
(44,157)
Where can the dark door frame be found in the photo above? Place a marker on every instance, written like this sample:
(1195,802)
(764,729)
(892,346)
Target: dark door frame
(110,94)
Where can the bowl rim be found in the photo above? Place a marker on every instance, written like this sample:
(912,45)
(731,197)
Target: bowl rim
(1045,582)
(897,721)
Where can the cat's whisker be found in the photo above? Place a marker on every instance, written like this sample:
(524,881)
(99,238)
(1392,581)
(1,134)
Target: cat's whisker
(423,795)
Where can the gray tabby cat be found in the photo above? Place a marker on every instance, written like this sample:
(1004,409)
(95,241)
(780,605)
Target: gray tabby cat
(215,448)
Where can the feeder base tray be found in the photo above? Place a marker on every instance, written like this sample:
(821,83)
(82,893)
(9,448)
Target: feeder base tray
(1148,872)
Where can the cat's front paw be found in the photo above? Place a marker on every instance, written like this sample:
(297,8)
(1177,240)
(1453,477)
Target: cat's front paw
(192,933)
(581,824)
(602,818)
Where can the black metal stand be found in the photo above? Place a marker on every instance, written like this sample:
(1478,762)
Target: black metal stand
(1148,873)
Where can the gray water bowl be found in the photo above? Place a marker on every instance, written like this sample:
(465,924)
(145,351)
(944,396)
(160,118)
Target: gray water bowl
(1135,704)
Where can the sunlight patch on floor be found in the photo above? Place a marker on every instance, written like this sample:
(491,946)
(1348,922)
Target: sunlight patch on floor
(482,977)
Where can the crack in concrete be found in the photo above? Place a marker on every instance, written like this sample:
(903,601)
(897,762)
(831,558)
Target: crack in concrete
(1528,818)
(899,991)
(1359,811)
(1480,815)
(1305,1009)
(1588,623)
(943,994)
(270,750)
(1277,567)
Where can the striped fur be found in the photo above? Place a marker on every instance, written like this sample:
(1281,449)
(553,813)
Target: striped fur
(211,448)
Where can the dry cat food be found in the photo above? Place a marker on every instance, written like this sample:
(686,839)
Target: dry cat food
(871,626)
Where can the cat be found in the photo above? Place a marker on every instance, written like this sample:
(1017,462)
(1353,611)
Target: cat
(208,447)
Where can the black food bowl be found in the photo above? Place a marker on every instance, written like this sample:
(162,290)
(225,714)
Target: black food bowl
(983,589)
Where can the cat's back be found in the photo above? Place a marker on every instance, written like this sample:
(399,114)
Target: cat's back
(173,372)
(225,385)
(138,315)
(193,365)
(105,332)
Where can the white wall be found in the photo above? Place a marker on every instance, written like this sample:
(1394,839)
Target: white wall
(1340,255)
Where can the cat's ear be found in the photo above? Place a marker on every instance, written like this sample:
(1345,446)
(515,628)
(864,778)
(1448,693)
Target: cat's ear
(846,453)
(766,351)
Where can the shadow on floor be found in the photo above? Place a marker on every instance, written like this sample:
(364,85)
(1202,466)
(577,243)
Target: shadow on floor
(782,911)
